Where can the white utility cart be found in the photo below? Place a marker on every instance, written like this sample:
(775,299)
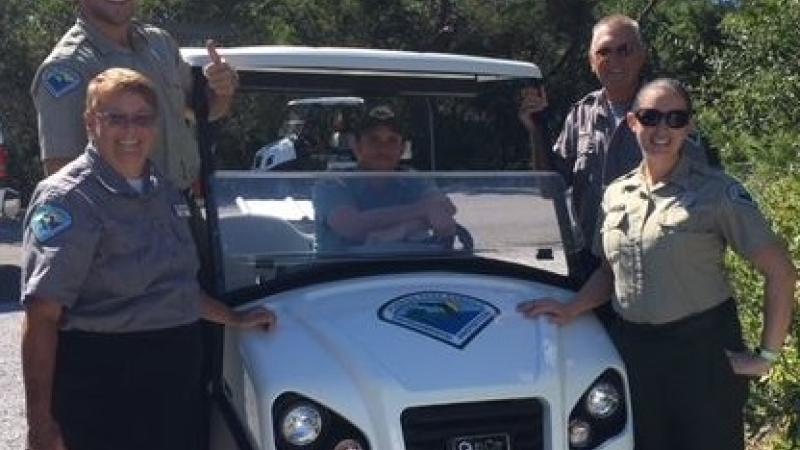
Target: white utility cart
(399,345)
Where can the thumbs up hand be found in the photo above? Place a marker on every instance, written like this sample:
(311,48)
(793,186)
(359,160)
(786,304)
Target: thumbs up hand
(221,77)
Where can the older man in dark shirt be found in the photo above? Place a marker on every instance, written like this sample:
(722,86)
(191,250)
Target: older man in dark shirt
(595,145)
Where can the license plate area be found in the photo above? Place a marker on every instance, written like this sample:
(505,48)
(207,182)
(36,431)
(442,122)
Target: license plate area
(498,441)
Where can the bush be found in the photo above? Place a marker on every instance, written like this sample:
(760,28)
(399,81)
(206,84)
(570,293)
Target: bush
(774,407)
(746,108)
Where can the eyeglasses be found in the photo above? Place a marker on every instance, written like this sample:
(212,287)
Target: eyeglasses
(119,120)
(622,50)
(652,117)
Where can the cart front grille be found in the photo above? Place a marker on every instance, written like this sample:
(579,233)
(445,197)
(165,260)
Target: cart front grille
(436,427)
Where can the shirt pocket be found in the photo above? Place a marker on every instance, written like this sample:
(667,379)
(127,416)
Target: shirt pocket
(176,95)
(684,235)
(588,168)
(585,151)
(613,234)
(185,248)
(674,220)
(620,253)
(172,88)
(122,254)
(679,222)
(164,70)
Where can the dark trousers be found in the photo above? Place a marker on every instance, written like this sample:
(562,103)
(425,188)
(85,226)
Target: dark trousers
(683,391)
(130,391)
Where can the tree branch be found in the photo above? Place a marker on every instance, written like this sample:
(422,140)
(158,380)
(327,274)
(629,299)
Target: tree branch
(564,58)
(444,26)
(646,11)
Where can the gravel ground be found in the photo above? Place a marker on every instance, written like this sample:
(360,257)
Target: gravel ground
(12,403)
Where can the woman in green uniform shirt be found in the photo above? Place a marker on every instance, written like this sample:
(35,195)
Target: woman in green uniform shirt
(664,229)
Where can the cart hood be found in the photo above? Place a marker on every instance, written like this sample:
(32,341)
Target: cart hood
(431,333)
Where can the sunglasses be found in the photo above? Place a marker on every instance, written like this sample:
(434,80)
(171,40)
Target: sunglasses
(119,120)
(652,117)
(623,51)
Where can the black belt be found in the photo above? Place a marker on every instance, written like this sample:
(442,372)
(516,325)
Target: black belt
(89,336)
(693,325)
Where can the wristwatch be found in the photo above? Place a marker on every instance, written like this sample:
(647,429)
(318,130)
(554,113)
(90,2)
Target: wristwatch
(767,355)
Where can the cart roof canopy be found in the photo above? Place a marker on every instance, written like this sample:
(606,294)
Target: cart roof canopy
(309,59)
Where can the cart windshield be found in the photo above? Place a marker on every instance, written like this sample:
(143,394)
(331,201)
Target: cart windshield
(274,224)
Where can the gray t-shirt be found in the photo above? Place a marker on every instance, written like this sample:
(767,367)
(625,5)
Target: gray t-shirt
(363,194)
(117,260)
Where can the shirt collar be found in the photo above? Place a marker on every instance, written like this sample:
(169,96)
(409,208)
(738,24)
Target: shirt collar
(603,111)
(602,106)
(116,183)
(605,105)
(634,182)
(679,176)
(105,45)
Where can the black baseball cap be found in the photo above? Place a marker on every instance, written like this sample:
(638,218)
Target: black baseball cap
(379,115)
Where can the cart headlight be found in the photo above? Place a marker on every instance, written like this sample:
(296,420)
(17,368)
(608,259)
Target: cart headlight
(603,400)
(302,424)
(600,414)
(580,433)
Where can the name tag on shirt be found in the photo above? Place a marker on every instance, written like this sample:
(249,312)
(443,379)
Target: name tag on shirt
(182,210)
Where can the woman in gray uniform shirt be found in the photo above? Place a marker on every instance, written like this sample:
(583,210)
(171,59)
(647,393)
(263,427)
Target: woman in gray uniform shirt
(664,229)
(111,347)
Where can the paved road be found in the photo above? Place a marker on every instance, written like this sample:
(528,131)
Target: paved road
(12,418)
(12,406)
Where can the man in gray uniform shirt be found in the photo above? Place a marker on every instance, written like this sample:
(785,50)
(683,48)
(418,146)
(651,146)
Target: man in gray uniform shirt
(111,347)
(595,145)
(104,36)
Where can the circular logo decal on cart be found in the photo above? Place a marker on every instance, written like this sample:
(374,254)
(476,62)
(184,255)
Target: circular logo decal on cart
(454,319)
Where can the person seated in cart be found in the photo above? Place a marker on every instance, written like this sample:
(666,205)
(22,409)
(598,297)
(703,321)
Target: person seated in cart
(356,211)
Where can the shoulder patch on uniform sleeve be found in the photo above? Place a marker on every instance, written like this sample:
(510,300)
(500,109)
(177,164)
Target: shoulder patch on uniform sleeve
(60,80)
(49,221)
(737,193)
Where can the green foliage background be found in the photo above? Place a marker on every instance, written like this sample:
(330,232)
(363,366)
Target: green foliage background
(739,57)
(749,111)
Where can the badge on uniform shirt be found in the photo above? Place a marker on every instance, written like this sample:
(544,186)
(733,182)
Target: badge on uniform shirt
(737,193)
(49,221)
(60,80)
(182,210)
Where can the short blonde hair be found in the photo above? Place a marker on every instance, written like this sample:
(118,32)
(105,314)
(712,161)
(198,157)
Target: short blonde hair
(116,81)
(617,21)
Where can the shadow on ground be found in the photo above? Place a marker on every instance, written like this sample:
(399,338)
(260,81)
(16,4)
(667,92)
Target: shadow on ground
(9,288)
